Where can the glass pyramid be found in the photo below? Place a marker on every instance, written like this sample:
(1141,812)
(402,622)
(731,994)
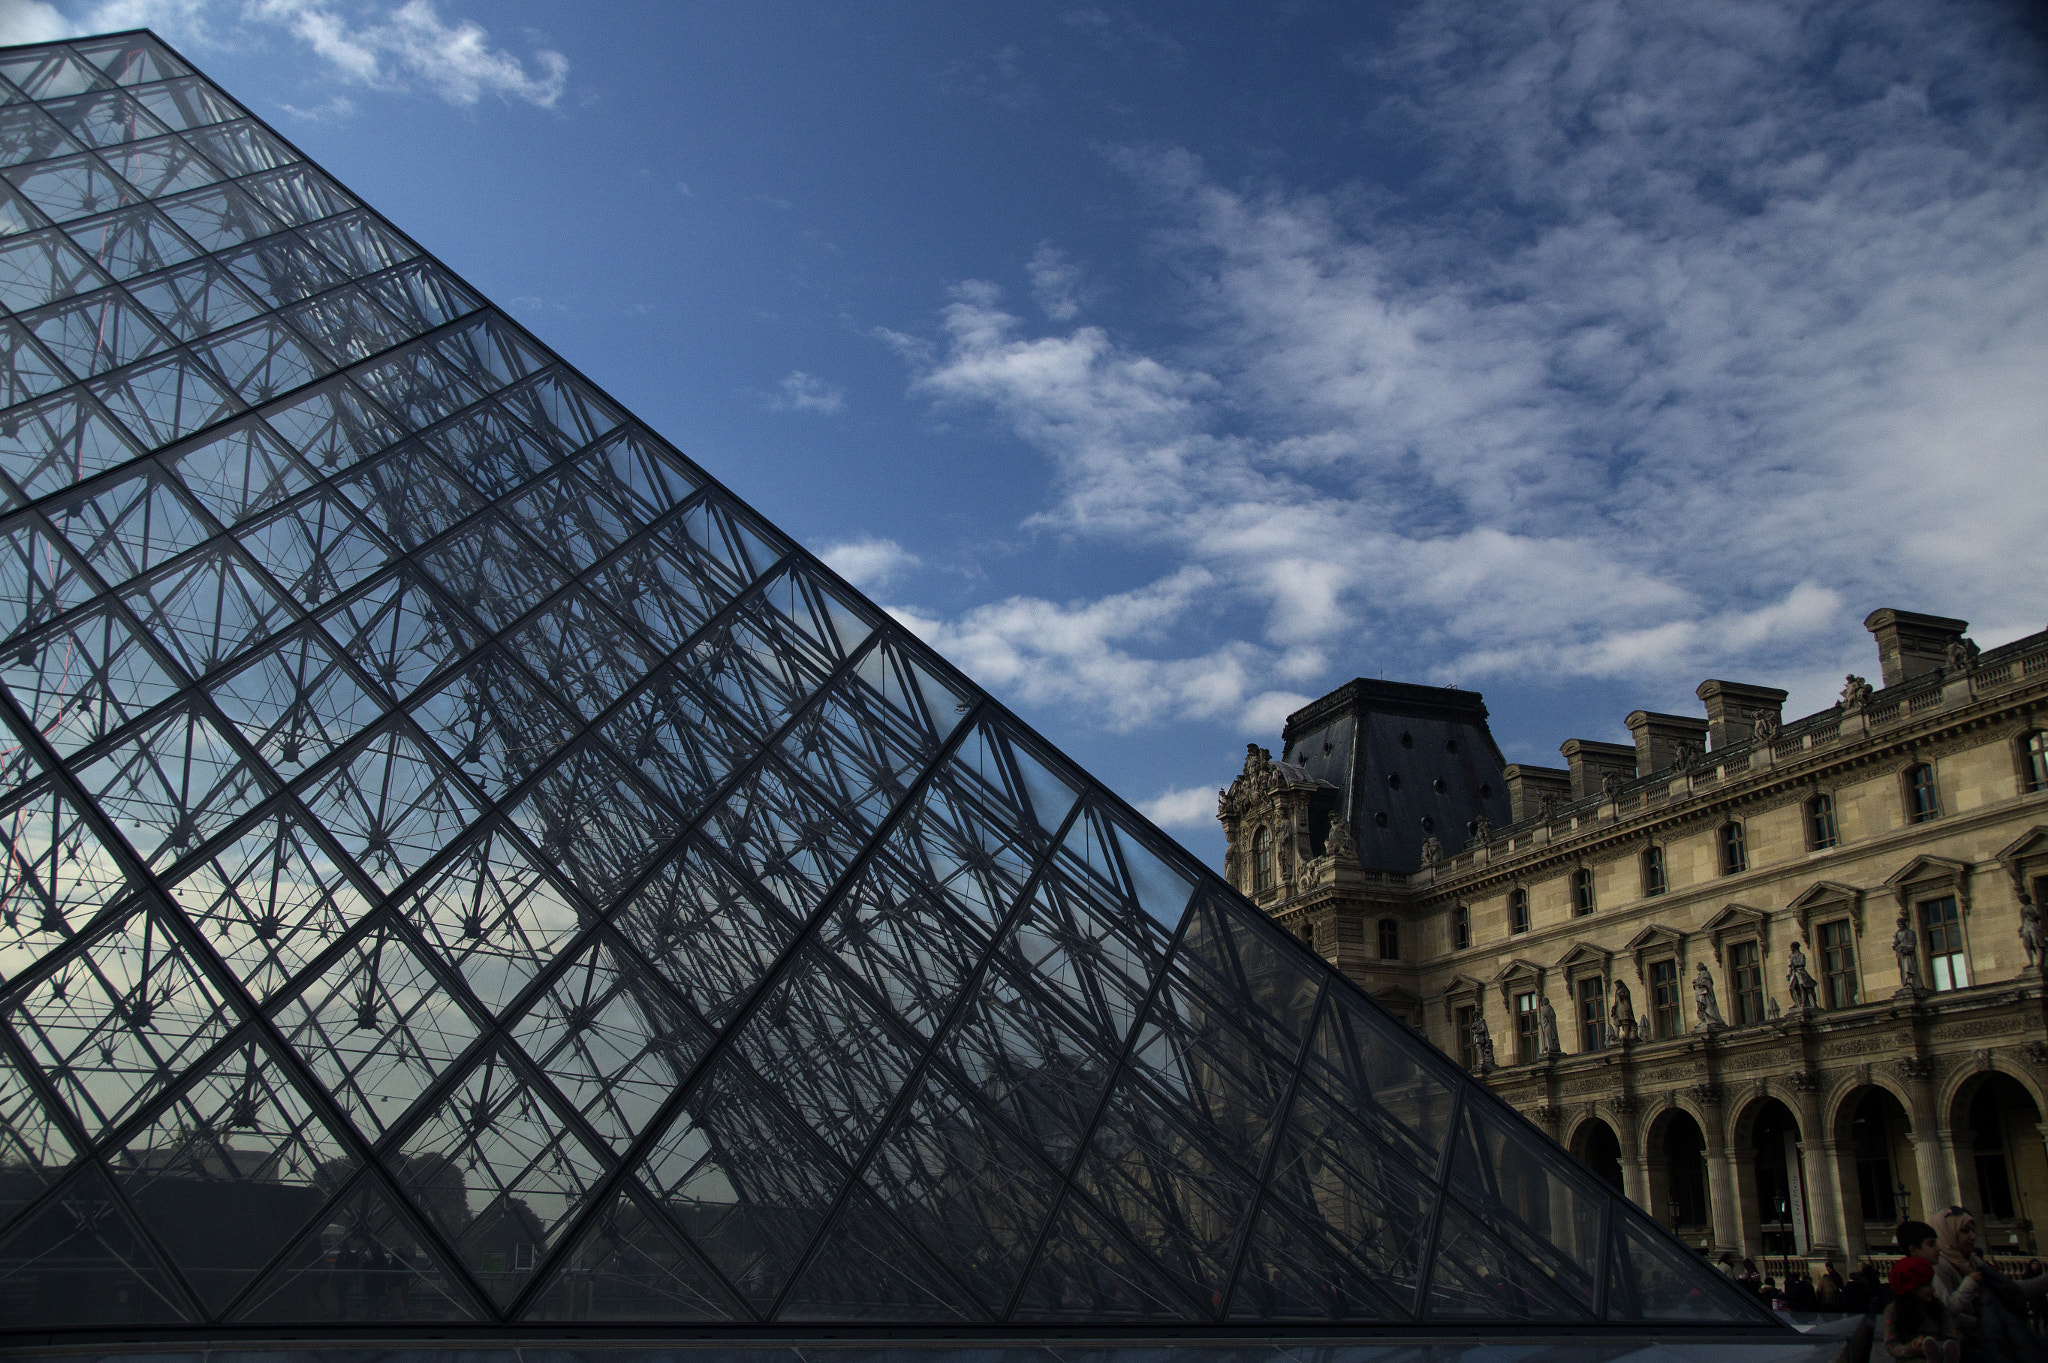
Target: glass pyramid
(464,866)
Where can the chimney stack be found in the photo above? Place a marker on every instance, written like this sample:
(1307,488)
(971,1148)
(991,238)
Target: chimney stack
(1733,708)
(1909,645)
(1589,762)
(1658,737)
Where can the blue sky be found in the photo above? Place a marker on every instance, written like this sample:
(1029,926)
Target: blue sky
(1168,365)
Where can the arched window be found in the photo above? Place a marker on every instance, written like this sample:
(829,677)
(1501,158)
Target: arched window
(1921,803)
(1653,870)
(2037,760)
(1518,910)
(1820,822)
(1461,926)
(1582,890)
(1262,861)
(1390,939)
(1734,851)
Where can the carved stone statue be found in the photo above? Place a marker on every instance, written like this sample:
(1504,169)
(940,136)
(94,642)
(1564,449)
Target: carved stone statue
(1611,784)
(2030,934)
(1482,830)
(1623,1014)
(1432,850)
(1856,692)
(1255,759)
(1799,982)
(1338,842)
(1770,1010)
(1706,1011)
(1546,807)
(1763,727)
(1685,752)
(1906,946)
(1546,1028)
(1482,1043)
(1962,656)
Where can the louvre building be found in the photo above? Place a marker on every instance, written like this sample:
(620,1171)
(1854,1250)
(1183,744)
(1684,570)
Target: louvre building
(466,871)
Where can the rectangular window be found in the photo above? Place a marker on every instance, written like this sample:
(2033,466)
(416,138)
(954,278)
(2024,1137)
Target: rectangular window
(1461,930)
(1946,967)
(1820,823)
(1664,998)
(1526,1039)
(1518,910)
(1922,803)
(1468,1054)
(1592,1013)
(1838,963)
(1653,871)
(1390,939)
(1746,978)
(1734,851)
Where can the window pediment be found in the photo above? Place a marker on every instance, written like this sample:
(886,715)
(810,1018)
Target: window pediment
(1738,920)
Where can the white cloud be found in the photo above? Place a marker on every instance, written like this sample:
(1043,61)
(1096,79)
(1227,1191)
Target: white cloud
(387,48)
(869,563)
(1055,282)
(1709,340)
(336,110)
(1178,807)
(801,392)
(31,21)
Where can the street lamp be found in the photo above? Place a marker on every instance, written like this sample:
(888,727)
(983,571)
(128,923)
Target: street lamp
(1674,1211)
(1905,1200)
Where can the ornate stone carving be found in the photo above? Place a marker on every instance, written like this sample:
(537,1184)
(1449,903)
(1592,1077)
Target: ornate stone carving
(1339,844)
(1432,850)
(1546,1028)
(1763,725)
(1482,1043)
(1611,784)
(1856,692)
(1548,1115)
(1622,1015)
(1906,946)
(1706,1095)
(1624,1105)
(2030,933)
(2035,1053)
(1706,1010)
(1482,831)
(1799,982)
(1803,1081)
(1914,1067)
(1962,656)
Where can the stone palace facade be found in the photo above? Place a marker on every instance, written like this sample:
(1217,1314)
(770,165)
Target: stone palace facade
(1778,980)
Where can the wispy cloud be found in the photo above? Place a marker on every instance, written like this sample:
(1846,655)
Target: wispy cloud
(801,392)
(1182,807)
(389,48)
(1707,340)
(1055,283)
(869,563)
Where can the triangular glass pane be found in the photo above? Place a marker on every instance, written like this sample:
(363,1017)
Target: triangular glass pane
(80,1237)
(1009,1049)
(791,839)
(683,744)
(298,194)
(125,528)
(376,1027)
(103,118)
(1085,1273)
(208,608)
(743,1181)
(164,400)
(195,301)
(1380,1072)
(89,336)
(392,806)
(296,702)
(974,1196)
(585,654)
(639,477)
(363,1262)
(1236,956)
(38,581)
(164,165)
(627,1265)
(492,572)
(132,59)
(1291,1274)
(240,1147)
(709,935)
(28,134)
(1051,795)
(866,1268)
(241,471)
(137,241)
(1546,1208)
(1230,1086)
(25,371)
(174,785)
(409,496)
(1160,886)
(830,1053)
(422,295)
(56,877)
(262,360)
(494,722)
(612,1039)
(40,267)
(269,902)
(593,821)
(241,148)
(218,218)
(49,445)
(334,425)
(1473,1276)
(120,1019)
(401,631)
(523,1174)
(187,103)
(962,844)
(84,679)
(316,549)
(893,935)
(72,187)
(49,73)
(1651,1277)
(495,916)
(34,1151)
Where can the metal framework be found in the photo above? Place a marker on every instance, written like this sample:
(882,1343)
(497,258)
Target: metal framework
(463,865)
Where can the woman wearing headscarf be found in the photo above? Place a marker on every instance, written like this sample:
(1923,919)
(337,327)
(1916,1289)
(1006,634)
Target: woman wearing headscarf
(1990,1307)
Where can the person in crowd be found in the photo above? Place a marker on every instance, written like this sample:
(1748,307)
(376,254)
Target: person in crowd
(1859,1294)
(1829,1293)
(1799,1293)
(1916,1324)
(1990,1309)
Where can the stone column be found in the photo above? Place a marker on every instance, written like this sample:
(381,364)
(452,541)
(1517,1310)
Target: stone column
(1959,1156)
(1840,1158)
(1635,1169)
(1720,1169)
(1748,1206)
(1823,1187)
(1937,1188)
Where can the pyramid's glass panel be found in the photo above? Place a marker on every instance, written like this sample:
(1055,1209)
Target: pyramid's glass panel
(464,866)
